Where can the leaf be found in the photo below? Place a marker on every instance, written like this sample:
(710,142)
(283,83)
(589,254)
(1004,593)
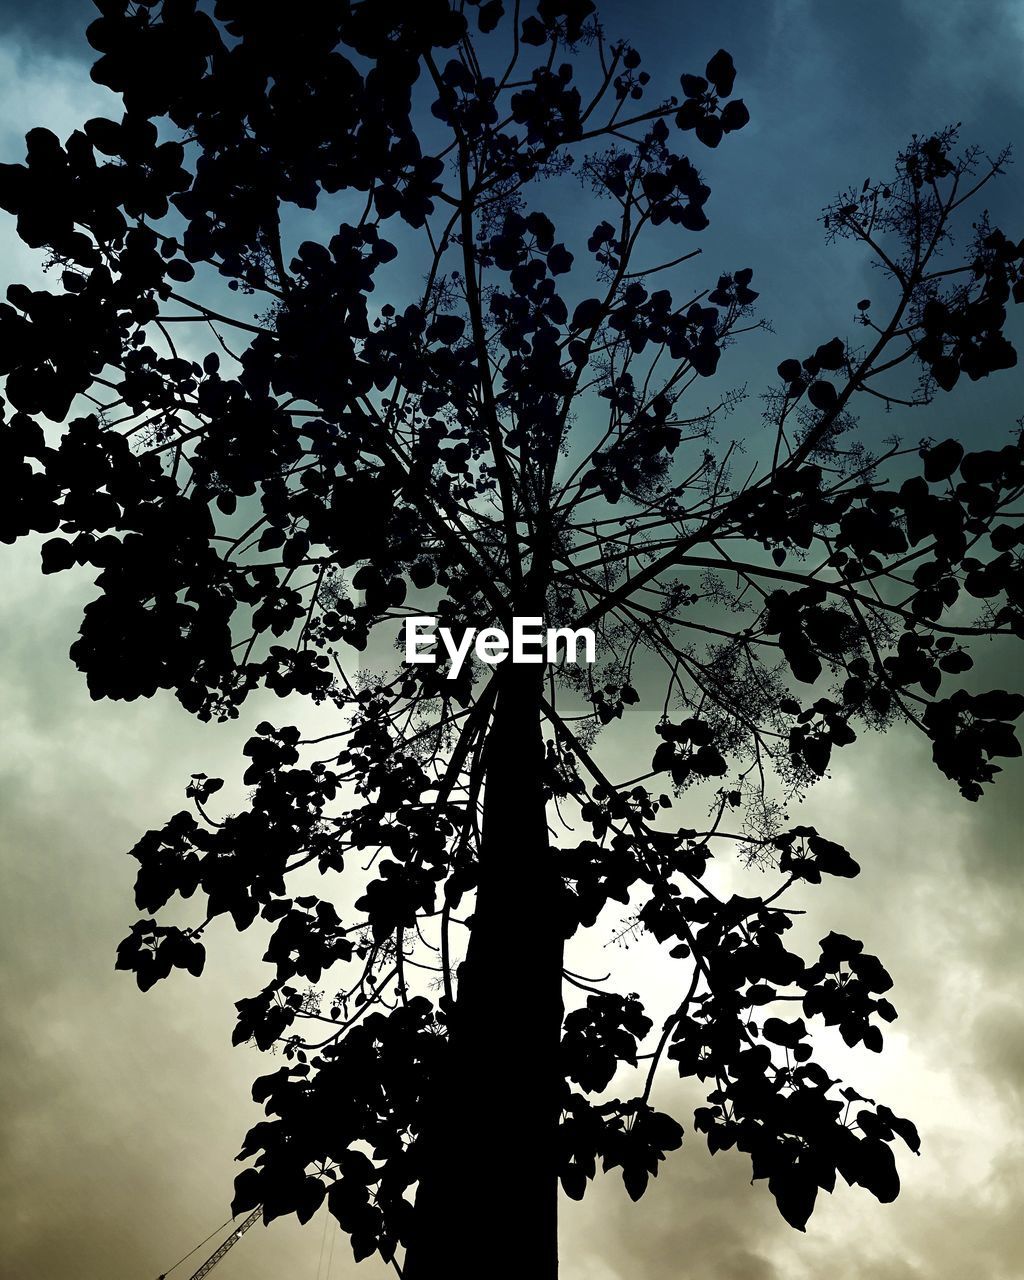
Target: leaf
(587,314)
(905,1128)
(721,72)
(490,15)
(311,1197)
(57,554)
(195,958)
(735,115)
(817,751)
(248,1192)
(831,355)
(946,372)
(795,1194)
(709,131)
(533,32)
(635,1177)
(942,461)
(872,1039)
(761,993)
(877,1171)
(180,270)
(559,260)
(822,395)
(787,1034)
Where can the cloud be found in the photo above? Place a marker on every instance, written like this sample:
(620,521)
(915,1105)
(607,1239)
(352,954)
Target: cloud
(939,899)
(57,27)
(120,1114)
(998,1033)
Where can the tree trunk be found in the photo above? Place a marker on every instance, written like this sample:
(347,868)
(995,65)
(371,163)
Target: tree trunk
(487,1201)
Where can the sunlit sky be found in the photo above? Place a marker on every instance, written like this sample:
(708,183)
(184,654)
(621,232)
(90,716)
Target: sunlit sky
(121,1113)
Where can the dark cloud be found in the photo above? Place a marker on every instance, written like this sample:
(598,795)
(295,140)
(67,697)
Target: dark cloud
(998,1034)
(120,1114)
(700,1218)
(57,27)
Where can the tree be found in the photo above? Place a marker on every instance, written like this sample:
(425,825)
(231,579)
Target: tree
(499,430)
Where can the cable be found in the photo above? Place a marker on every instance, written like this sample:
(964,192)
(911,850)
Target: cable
(330,1256)
(215,1231)
(323,1241)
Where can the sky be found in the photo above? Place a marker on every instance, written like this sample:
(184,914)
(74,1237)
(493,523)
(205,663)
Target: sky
(120,1113)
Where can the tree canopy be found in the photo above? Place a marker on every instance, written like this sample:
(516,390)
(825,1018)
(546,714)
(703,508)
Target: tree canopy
(372,310)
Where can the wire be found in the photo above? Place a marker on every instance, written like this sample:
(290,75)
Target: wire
(191,1251)
(330,1256)
(323,1241)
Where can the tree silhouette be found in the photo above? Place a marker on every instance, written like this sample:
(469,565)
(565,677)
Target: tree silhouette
(444,404)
